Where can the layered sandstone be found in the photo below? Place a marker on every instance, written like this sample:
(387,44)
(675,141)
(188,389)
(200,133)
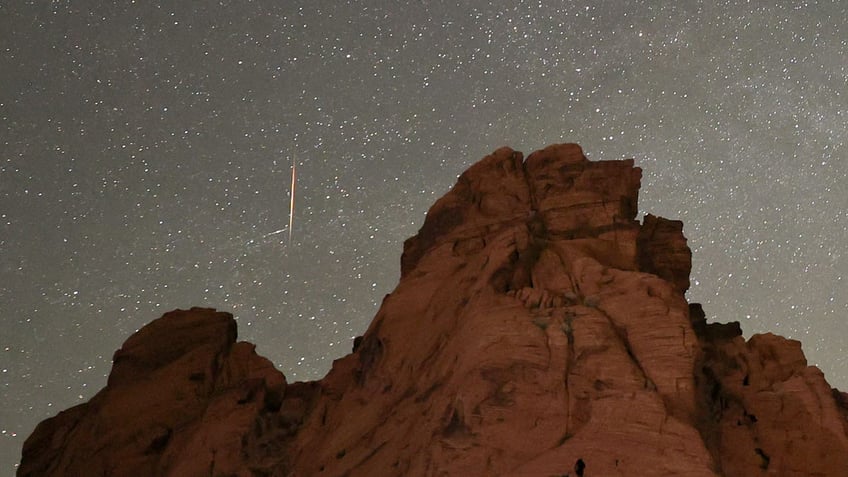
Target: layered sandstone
(538,329)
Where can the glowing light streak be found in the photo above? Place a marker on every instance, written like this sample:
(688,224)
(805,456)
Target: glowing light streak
(291,205)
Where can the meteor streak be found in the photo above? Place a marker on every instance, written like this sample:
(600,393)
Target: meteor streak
(273,233)
(291,205)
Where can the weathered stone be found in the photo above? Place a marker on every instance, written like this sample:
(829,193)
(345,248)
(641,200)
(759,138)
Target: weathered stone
(767,412)
(538,329)
(181,399)
(663,251)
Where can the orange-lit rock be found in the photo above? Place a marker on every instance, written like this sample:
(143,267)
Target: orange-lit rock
(538,329)
(181,396)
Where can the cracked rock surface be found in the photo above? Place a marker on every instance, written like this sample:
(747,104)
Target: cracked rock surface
(538,329)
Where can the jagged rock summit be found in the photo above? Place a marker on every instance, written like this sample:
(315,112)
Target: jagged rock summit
(538,329)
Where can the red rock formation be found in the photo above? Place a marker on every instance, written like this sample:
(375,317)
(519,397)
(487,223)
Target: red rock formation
(761,395)
(538,329)
(180,399)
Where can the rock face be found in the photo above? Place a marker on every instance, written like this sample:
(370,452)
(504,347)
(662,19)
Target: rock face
(180,399)
(538,329)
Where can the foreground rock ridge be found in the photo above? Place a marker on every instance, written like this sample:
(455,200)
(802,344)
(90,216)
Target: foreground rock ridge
(538,329)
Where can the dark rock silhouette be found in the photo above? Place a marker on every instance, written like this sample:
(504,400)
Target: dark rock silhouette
(537,327)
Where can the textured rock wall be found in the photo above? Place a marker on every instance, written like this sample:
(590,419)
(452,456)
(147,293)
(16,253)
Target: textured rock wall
(538,329)
(764,411)
(523,337)
(181,396)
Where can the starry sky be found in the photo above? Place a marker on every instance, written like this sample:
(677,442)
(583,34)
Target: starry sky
(147,152)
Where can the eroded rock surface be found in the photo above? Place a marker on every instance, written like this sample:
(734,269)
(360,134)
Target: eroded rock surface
(538,329)
(182,399)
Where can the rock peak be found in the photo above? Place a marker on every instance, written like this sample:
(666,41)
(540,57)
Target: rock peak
(538,329)
(557,192)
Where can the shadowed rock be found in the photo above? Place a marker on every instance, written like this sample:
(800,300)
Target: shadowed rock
(183,398)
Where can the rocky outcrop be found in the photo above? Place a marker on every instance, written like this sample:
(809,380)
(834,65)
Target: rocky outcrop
(538,329)
(181,399)
(764,410)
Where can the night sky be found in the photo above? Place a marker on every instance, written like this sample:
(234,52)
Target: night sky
(147,153)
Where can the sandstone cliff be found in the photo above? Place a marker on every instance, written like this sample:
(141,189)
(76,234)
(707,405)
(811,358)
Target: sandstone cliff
(538,329)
